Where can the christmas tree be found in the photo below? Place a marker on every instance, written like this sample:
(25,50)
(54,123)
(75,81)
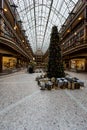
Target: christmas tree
(55,64)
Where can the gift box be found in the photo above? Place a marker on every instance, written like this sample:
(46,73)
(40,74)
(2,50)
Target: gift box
(69,85)
(60,83)
(49,85)
(81,83)
(65,83)
(42,85)
(75,85)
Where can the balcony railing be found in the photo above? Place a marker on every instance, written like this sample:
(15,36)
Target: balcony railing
(15,13)
(72,15)
(73,46)
(7,33)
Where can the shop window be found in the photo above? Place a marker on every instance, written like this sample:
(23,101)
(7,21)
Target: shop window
(78,64)
(9,63)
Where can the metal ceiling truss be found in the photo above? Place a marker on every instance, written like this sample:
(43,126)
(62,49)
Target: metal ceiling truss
(35,23)
(41,15)
(52,9)
(27,18)
(47,23)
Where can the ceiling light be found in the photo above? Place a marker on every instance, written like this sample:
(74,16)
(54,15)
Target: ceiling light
(79,18)
(68,31)
(33,58)
(75,33)
(5,9)
(15,27)
(22,40)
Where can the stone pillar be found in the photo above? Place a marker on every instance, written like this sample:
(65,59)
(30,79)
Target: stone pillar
(86,65)
(18,62)
(66,64)
(69,64)
(0,63)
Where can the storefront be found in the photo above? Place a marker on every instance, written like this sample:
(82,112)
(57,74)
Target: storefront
(78,64)
(9,63)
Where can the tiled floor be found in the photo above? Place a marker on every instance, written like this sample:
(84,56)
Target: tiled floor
(23,106)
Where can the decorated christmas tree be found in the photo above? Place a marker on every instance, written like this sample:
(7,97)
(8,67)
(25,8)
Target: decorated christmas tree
(55,64)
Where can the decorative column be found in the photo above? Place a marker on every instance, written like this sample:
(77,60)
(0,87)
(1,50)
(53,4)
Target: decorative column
(0,63)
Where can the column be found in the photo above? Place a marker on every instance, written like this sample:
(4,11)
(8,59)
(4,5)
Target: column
(86,65)
(17,64)
(69,64)
(0,63)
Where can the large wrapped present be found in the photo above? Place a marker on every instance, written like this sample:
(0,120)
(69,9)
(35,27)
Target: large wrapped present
(57,80)
(75,85)
(69,85)
(42,85)
(43,80)
(70,79)
(65,83)
(49,85)
(60,83)
(81,83)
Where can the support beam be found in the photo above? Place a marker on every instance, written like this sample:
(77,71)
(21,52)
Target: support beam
(35,24)
(47,23)
(0,63)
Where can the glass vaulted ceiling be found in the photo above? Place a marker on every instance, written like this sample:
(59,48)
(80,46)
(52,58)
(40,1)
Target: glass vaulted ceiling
(38,17)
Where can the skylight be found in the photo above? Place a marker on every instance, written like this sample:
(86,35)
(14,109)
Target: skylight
(38,17)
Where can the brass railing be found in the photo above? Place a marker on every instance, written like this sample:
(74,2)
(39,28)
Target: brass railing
(78,44)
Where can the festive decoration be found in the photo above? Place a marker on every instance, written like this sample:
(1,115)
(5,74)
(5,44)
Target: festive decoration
(55,65)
